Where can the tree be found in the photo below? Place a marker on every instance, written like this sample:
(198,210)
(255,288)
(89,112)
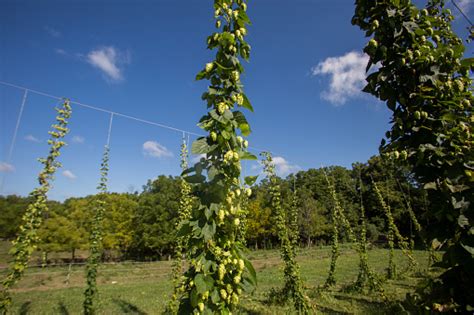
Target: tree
(154,221)
(61,234)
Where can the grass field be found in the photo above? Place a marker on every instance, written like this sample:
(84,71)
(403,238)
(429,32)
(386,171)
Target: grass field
(143,288)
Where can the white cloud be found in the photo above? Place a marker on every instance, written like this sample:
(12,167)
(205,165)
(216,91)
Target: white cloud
(6,168)
(110,61)
(60,51)
(69,174)
(347,76)
(78,139)
(154,149)
(283,167)
(465,5)
(52,31)
(32,138)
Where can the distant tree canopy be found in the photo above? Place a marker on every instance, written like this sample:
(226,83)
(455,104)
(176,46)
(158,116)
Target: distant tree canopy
(142,225)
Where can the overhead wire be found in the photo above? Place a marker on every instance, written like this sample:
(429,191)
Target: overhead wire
(118,114)
(462,13)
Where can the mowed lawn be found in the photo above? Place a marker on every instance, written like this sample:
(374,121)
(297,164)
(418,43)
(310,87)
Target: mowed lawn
(144,288)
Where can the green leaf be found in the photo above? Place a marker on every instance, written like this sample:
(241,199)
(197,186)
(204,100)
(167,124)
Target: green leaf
(215,297)
(228,114)
(185,229)
(242,123)
(201,285)
(208,231)
(468,62)
(201,75)
(463,221)
(194,298)
(225,134)
(251,271)
(247,156)
(431,185)
(246,103)
(200,146)
(195,179)
(250,180)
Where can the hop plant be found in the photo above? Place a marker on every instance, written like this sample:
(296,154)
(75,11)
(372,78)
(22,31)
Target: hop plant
(27,240)
(212,282)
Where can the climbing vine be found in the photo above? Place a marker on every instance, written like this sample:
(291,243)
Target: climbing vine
(393,235)
(218,270)
(293,288)
(184,212)
(426,84)
(366,276)
(95,241)
(339,220)
(27,239)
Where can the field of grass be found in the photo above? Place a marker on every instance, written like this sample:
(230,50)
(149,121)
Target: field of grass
(144,288)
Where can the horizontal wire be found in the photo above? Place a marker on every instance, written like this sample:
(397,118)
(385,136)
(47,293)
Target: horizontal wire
(119,114)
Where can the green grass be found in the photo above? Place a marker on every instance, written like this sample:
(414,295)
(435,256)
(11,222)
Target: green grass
(144,288)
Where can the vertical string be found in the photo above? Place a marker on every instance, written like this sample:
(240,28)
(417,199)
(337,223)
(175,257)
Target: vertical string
(110,129)
(15,134)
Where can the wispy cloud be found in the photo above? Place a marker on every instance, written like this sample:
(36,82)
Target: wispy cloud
(6,167)
(61,51)
(347,76)
(154,149)
(69,174)
(52,31)
(78,139)
(32,138)
(110,61)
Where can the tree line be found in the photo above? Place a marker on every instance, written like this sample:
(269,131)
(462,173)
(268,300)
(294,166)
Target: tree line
(142,225)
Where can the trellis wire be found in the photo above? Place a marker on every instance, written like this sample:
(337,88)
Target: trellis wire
(15,134)
(100,109)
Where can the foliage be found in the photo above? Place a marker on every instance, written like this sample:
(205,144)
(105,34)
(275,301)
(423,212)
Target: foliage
(366,276)
(95,243)
(287,229)
(154,219)
(426,85)
(142,226)
(184,212)
(339,221)
(218,270)
(59,233)
(27,238)
(393,235)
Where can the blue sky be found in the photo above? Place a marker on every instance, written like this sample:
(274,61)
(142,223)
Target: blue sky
(140,58)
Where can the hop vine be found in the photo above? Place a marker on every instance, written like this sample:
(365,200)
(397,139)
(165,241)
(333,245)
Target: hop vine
(218,269)
(287,234)
(184,212)
(95,244)
(366,276)
(393,235)
(426,83)
(338,220)
(27,240)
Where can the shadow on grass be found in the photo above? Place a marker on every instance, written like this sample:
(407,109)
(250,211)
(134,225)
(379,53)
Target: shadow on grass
(25,307)
(128,308)
(371,306)
(62,309)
